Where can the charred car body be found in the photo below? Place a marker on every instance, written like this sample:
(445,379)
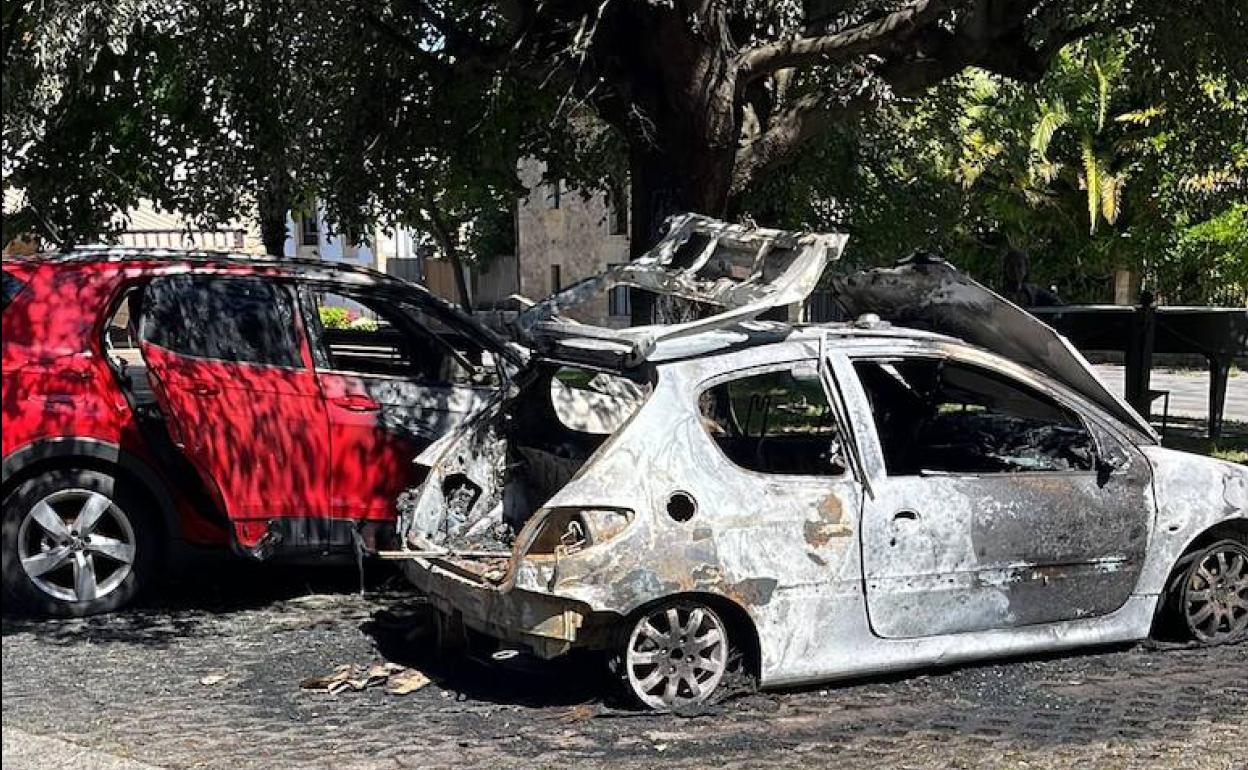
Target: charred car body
(816,502)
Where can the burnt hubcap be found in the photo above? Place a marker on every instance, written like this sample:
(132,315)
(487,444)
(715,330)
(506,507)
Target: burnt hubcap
(1216,596)
(677,656)
(76,545)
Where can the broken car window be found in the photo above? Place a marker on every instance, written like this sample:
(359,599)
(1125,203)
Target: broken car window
(242,320)
(12,287)
(775,422)
(935,415)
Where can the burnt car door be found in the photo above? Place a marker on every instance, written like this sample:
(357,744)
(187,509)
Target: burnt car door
(392,385)
(228,364)
(995,504)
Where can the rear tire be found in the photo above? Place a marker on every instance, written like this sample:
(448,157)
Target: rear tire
(1207,597)
(77,542)
(675,656)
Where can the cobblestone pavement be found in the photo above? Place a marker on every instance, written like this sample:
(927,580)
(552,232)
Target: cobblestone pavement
(130,686)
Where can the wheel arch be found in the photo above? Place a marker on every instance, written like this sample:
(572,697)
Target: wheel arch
(93,454)
(1227,529)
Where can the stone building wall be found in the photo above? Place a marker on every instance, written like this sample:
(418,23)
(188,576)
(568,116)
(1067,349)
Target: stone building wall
(564,236)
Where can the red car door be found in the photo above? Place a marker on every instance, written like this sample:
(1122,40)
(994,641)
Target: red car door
(391,389)
(229,365)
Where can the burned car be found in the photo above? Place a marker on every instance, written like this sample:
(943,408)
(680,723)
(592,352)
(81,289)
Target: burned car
(942,479)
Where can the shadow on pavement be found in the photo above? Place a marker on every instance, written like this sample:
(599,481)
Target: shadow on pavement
(201,596)
(409,637)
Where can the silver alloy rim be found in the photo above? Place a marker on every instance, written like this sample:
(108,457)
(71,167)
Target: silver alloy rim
(677,656)
(76,545)
(1216,600)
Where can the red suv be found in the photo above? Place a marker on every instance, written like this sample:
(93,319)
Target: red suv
(153,400)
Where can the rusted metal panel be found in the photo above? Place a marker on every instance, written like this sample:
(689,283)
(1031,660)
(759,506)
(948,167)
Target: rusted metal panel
(1193,494)
(834,586)
(953,553)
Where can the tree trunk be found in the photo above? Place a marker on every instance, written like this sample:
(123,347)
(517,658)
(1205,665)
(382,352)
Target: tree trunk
(448,241)
(461,279)
(660,188)
(274,205)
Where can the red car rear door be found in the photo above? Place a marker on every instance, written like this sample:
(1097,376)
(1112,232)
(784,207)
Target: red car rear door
(231,370)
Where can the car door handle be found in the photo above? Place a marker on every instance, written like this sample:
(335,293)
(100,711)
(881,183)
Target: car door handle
(900,516)
(204,389)
(357,403)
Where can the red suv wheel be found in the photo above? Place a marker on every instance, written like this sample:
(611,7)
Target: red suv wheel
(76,542)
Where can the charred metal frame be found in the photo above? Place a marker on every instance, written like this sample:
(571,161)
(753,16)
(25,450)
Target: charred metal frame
(1013,563)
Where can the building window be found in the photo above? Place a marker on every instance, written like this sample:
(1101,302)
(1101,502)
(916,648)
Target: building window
(556,278)
(554,193)
(309,230)
(617,212)
(618,303)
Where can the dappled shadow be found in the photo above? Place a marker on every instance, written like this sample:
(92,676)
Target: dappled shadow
(202,598)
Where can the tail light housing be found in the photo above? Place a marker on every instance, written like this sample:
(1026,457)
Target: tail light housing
(568,530)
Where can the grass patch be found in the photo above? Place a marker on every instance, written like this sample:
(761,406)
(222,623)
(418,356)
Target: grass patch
(1233,445)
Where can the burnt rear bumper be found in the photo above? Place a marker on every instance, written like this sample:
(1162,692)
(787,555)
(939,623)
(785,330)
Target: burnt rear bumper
(547,625)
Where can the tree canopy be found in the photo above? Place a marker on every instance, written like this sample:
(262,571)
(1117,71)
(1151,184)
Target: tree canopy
(1060,126)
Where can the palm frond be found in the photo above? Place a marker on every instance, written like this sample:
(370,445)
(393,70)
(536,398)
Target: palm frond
(1111,194)
(1052,117)
(1092,181)
(1102,94)
(1140,117)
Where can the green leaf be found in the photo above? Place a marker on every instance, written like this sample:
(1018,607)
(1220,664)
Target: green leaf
(1092,181)
(1052,118)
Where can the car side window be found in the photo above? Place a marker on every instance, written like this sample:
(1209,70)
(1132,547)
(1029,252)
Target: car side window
(363,338)
(244,320)
(369,336)
(775,422)
(12,287)
(944,416)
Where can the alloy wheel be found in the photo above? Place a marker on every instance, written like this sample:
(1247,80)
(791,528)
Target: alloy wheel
(1215,598)
(76,545)
(677,656)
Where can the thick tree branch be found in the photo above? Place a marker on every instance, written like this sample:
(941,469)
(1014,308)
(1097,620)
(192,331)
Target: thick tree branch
(1004,51)
(871,37)
(447,238)
(790,128)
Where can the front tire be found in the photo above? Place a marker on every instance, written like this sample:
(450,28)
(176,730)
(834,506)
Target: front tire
(75,543)
(1208,594)
(676,656)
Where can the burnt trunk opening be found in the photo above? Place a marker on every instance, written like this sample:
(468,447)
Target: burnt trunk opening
(518,455)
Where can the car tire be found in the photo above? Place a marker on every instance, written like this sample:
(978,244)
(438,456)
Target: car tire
(1207,596)
(674,656)
(53,567)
